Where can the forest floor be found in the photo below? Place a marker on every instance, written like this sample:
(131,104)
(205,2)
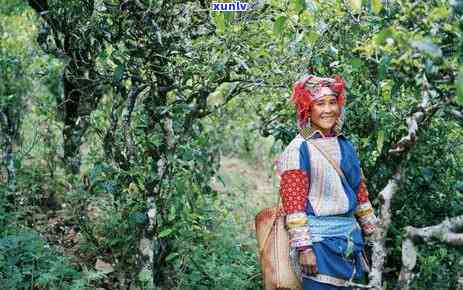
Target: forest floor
(251,184)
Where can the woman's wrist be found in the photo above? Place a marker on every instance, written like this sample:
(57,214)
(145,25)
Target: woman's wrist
(305,249)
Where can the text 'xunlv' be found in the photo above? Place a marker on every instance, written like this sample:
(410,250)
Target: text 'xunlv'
(237,6)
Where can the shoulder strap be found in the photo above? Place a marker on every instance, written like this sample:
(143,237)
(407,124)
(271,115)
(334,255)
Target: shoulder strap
(327,157)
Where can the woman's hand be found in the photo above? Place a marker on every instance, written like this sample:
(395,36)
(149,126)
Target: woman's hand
(308,261)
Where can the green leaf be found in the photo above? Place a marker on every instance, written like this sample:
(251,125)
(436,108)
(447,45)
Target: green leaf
(137,218)
(263,53)
(459,186)
(356,5)
(279,25)
(383,67)
(376,6)
(165,233)
(145,276)
(356,64)
(380,141)
(306,19)
(228,16)
(312,36)
(219,20)
(427,174)
(383,35)
(119,73)
(172,256)
(440,12)
(300,5)
(459,87)
(172,213)
(386,89)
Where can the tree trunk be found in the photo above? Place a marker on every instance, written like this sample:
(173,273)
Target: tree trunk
(10,120)
(73,126)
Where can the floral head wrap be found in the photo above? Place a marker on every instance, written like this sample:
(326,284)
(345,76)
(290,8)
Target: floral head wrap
(311,88)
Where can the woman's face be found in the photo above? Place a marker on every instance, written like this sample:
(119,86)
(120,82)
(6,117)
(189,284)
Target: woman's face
(324,113)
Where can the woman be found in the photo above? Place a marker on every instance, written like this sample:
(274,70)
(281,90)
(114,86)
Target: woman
(323,191)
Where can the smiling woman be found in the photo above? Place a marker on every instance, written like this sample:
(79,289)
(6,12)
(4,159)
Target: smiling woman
(323,193)
(325,112)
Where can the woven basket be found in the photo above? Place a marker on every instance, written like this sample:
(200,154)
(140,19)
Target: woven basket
(274,251)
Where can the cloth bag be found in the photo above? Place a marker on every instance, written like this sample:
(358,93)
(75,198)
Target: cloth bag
(274,251)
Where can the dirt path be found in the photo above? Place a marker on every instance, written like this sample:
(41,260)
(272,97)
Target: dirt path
(254,185)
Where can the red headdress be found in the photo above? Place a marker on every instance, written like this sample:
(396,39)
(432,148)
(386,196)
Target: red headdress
(310,88)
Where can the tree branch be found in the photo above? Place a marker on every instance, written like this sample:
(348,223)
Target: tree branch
(423,110)
(126,116)
(379,244)
(457,114)
(444,232)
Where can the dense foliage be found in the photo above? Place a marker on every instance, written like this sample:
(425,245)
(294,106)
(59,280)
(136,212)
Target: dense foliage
(115,116)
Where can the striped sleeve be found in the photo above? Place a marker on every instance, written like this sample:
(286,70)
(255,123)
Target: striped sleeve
(294,186)
(365,213)
(290,159)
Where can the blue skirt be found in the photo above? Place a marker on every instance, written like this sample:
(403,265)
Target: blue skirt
(309,284)
(331,261)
